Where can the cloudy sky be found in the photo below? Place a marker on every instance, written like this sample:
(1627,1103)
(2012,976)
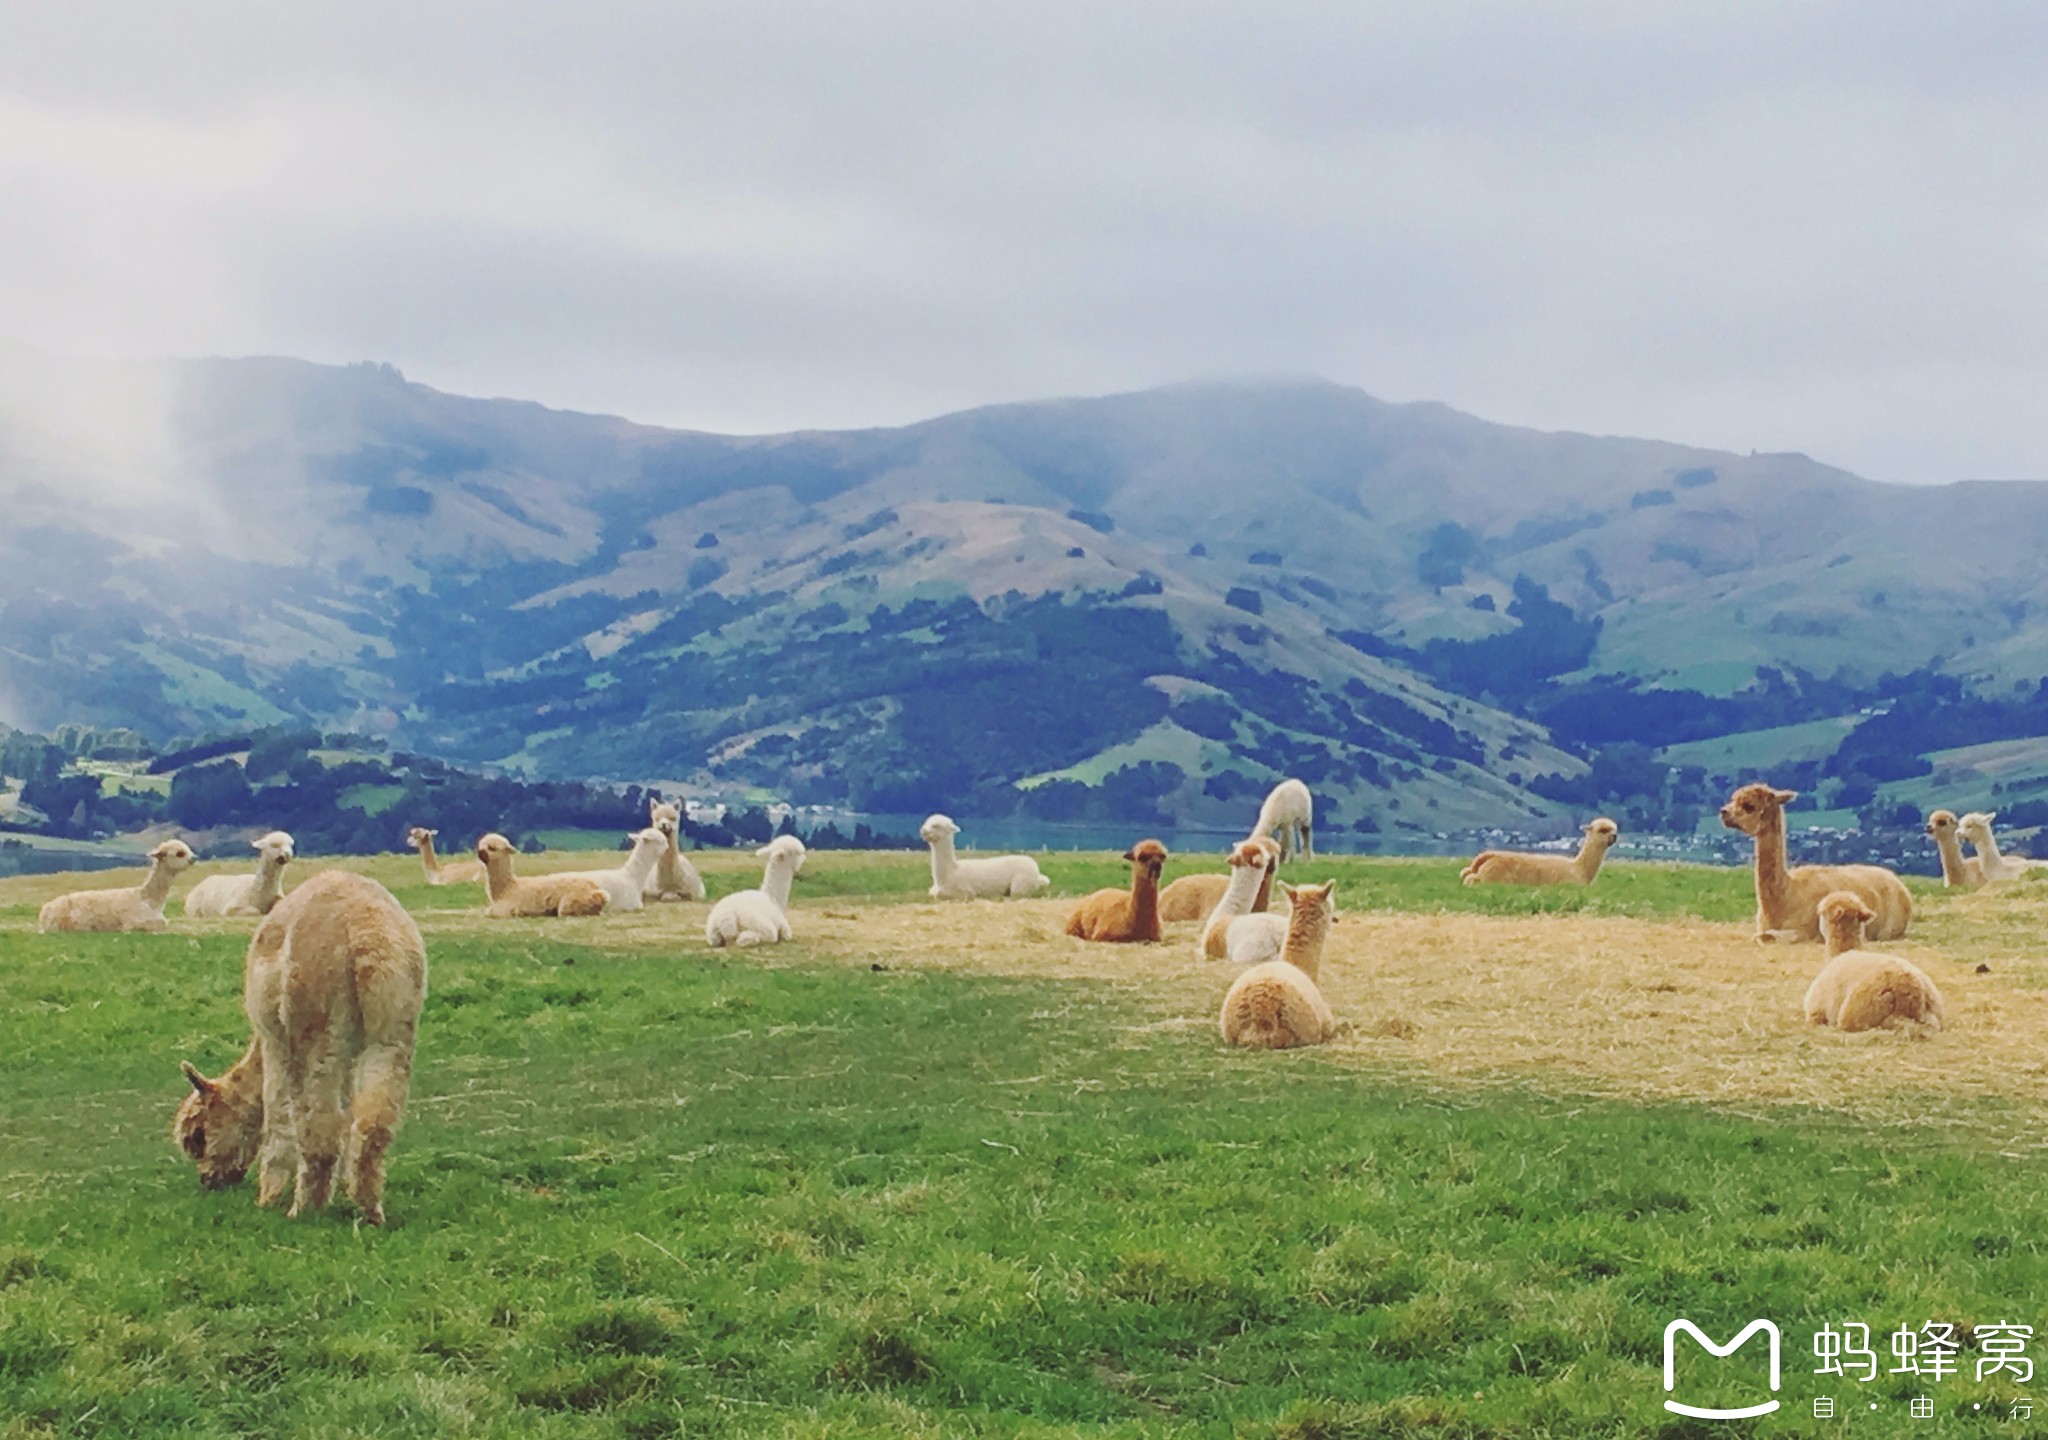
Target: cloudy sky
(1820,226)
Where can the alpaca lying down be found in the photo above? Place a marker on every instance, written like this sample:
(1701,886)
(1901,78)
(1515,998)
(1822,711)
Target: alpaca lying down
(1861,989)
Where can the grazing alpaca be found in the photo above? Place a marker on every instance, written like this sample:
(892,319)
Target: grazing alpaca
(1117,917)
(511,897)
(1195,897)
(139,907)
(1251,878)
(1515,867)
(1975,827)
(1958,871)
(986,878)
(674,878)
(625,885)
(1860,989)
(759,917)
(1788,900)
(462,872)
(332,987)
(254,894)
(1276,1006)
(1289,815)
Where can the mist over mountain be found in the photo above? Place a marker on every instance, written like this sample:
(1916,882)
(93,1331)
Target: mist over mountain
(1127,607)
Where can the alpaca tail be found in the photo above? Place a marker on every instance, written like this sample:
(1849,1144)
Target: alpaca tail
(1892,1000)
(1259,1021)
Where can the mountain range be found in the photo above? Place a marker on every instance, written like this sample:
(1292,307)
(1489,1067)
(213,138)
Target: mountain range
(1135,606)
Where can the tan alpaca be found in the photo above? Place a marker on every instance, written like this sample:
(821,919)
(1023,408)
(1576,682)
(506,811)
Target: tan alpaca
(1276,1006)
(333,984)
(139,907)
(1119,917)
(674,878)
(1860,989)
(1252,863)
(1788,900)
(256,894)
(1958,871)
(1195,897)
(511,897)
(1516,867)
(462,872)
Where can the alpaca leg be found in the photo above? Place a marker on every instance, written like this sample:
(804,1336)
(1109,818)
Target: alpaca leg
(316,1076)
(383,1076)
(1308,841)
(278,1161)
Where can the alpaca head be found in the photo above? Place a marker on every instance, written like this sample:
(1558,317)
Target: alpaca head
(1312,903)
(1269,846)
(650,839)
(172,855)
(1976,826)
(1750,808)
(1842,918)
(1941,823)
(1603,832)
(276,846)
(664,817)
(936,829)
(1147,855)
(220,1131)
(784,850)
(419,837)
(1250,854)
(494,847)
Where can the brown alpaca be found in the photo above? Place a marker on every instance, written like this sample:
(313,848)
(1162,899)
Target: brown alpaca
(1860,989)
(511,897)
(1958,871)
(139,907)
(1276,1005)
(332,986)
(1788,900)
(1118,917)
(462,872)
(1516,867)
(1195,897)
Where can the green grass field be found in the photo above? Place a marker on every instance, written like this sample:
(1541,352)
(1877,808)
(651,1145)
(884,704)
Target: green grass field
(841,1189)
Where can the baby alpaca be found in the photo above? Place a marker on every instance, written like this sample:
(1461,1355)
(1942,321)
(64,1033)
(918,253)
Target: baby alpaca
(759,917)
(674,878)
(139,907)
(1516,867)
(1788,900)
(463,872)
(332,987)
(1289,815)
(511,897)
(1975,827)
(1958,872)
(1195,897)
(1117,917)
(1860,989)
(1250,880)
(625,886)
(987,878)
(1276,1005)
(254,894)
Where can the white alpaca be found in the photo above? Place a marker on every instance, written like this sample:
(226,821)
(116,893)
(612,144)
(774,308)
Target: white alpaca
(1289,816)
(245,894)
(674,878)
(1975,827)
(759,917)
(139,907)
(986,878)
(625,886)
(1251,864)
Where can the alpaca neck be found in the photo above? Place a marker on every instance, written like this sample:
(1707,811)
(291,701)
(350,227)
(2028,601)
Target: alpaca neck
(1772,868)
(269,882)
(1145,900)
(429,861)
(775,882)
(498,881)
(1240,897)
(157,887)
(641,864)
(1987,848)
(1307,928)
(1264,899)
(1951,848)
(944,861)
(1591,853)
(1842,938)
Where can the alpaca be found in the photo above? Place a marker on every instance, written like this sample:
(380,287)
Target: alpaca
(462,872)
(625,886)
(510,897)
(1788,900)
(1975,827)
(332,986)
(1290,811)
(1860,989)
(1118,917)
(1195,897)
(1276,1005)
(674,878)
(254,894)
(759,917)
(1250,879)
(987,878)
(1958,871)
(1515,867)
(139,907)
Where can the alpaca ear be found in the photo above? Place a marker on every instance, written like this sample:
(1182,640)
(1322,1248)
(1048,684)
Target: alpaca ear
(255,844)
(1784,797)
(199,1082)
(1286,889)
(1989,816)
(1131,854)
